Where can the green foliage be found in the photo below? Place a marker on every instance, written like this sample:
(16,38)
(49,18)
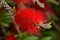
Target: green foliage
(10,2)
(49,35)
(32,38)
(46,38)
(22,35)
(5,18)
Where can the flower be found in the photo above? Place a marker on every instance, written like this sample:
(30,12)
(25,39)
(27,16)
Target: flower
(10,37)
(46,5)
(28,19)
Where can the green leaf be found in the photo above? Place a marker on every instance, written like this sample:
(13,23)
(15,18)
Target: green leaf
(48,26)
(50,34)
(22,35)
(10,2)
(5,18)
(46,38)
(32,38)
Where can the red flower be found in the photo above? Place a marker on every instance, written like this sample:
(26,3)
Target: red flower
(46,4)
(33,31)
(10,37)
(28,18)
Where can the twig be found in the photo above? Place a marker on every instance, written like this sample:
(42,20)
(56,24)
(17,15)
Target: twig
(3,30)
(56,26)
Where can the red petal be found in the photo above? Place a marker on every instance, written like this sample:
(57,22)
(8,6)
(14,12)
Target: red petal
(10,37)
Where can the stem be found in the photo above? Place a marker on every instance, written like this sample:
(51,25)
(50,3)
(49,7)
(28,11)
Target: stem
(55,2)
(59,2)
(56,26)
(3,29)
(17,28)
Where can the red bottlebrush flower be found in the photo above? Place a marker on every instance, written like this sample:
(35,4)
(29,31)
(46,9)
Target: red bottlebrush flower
(10,37)
(46,5)
(28,18)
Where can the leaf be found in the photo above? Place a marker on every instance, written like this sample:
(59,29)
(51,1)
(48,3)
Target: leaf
(32,38)
(5,18)
(48,26)
(50,34)
(46,38)
(10,2)
(22,35)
